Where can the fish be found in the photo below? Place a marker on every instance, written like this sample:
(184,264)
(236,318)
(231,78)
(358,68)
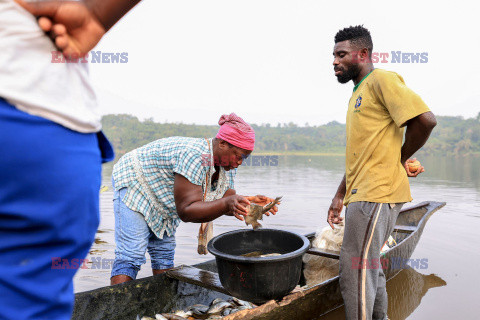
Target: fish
(242,303)
(255,213)
(199,311)
(228,311)
(252,254)
(260,254)
(218,307)
(216,301)
(205,234)
(270,255)
(184,314)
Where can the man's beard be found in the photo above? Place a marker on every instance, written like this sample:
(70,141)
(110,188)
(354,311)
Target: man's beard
(351,73)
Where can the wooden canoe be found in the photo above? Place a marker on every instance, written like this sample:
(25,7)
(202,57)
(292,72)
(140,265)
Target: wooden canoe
(188,285)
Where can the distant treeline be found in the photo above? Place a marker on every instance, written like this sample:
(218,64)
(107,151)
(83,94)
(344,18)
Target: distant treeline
(452,136)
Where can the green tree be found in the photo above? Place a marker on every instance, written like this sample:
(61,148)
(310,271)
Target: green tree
(453,135)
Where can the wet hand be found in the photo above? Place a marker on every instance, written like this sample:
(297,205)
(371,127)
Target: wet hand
(237,206)
(72,27)
(334,211)
(262,200)
(408,168)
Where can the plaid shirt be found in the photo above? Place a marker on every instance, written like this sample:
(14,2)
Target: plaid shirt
(159,161)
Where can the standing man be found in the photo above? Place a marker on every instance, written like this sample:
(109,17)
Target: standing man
(375,185)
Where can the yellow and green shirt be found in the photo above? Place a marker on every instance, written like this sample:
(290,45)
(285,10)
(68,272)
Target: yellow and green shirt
(380,106)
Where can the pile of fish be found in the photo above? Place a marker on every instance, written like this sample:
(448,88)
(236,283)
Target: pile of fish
(217,309)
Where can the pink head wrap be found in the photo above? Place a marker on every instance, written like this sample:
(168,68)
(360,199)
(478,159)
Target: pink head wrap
(236,131)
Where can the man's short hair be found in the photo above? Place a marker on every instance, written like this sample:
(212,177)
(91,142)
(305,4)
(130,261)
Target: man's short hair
(358,36)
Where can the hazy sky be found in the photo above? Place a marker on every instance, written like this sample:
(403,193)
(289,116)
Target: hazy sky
(270,61)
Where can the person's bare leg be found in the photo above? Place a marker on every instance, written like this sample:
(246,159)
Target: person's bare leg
(121,278)
(159,271)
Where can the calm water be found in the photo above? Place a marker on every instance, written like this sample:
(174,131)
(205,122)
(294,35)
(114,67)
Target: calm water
(447,289)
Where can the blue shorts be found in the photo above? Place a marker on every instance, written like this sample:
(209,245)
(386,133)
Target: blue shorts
(133,238)
(49,209)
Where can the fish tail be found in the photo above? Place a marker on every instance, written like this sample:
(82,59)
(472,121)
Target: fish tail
(256,225)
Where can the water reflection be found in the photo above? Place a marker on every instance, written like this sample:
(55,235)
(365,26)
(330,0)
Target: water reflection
(98,241)
(453,170)
(409,287)
(405,293)
(439,170)
(449,241)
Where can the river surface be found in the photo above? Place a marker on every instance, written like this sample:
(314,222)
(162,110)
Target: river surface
(447,289)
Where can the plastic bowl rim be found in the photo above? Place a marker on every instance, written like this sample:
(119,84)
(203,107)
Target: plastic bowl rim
(287,256)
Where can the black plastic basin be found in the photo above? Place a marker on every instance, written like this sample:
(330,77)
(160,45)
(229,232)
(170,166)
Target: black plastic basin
(258,279)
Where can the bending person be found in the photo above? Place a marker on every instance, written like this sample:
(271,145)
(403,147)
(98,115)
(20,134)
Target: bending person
(171,180)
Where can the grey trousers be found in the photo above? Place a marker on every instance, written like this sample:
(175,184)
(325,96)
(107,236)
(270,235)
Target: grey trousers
(362,281)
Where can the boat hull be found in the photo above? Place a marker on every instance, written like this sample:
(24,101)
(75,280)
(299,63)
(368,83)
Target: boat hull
(165,293)
(326,296)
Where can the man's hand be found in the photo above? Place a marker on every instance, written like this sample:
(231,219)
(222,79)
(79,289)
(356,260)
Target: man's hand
(415,173)
(237,206)
(337,204)
(262,200)
(334,211)
(71,25)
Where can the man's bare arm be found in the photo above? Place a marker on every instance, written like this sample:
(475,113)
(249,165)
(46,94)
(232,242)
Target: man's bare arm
(336,206)
(418,131)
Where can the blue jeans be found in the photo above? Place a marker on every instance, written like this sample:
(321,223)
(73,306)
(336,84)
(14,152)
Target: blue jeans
(133,237)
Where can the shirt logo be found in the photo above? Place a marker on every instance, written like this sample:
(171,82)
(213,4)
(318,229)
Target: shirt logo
(358,102)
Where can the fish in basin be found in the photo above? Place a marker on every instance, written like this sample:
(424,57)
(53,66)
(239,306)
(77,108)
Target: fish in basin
(256,212)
